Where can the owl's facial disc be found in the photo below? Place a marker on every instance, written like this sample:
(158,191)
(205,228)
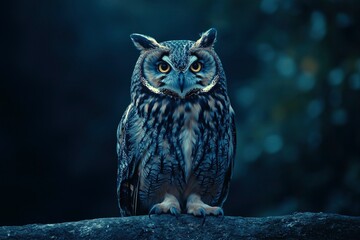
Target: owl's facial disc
(163,76)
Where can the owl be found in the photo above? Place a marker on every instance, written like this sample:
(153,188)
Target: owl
(176,140)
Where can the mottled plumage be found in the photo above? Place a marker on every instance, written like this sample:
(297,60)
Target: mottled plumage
(176,140)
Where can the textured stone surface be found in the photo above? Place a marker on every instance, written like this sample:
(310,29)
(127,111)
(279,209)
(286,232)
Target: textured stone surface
(296,226)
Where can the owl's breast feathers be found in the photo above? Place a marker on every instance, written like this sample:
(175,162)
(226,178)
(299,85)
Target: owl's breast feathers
(170,141)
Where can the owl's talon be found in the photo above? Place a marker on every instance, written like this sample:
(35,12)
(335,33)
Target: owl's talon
(154,210)
(203,215)
(174,211)
(197,207)
(220,212)
(169,205)
(202,212)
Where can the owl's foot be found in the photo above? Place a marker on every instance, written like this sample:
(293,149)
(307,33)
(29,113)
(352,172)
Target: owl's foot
(198,208)
(170,204)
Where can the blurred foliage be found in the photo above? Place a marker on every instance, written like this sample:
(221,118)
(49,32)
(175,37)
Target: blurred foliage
(293,70)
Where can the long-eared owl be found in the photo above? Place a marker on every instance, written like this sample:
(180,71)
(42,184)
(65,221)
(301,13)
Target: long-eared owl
(176,140)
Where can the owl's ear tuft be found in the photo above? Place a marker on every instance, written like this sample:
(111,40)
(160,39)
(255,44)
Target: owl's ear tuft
(207,39)
(143,42)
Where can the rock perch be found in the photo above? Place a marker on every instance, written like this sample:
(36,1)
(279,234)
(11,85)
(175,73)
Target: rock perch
(296,226)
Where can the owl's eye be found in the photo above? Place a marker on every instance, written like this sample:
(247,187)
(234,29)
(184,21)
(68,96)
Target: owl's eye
(164,67)
(196,67)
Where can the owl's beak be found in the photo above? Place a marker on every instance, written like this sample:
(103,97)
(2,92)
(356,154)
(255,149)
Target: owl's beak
(181,88)
(181,82)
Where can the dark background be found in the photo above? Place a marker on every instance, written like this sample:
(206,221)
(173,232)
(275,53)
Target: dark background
(293,70)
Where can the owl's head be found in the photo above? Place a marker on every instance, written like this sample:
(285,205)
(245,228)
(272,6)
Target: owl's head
(179,68)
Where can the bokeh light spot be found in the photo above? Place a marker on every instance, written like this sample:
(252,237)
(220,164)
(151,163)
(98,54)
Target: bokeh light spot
(273,143)
(269,6)
(317,25)
(315,108)
(286,66)
(336,76)
(305,82)
(354,81)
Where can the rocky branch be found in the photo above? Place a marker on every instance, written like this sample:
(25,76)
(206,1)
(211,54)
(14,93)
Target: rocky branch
(296,226)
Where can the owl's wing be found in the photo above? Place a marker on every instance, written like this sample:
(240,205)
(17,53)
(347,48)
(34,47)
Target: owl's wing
(231,156)
(127,181)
